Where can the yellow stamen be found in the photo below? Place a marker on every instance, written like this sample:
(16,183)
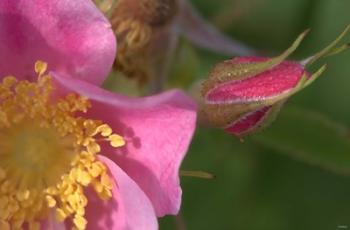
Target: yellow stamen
(116,140)
(48,154)
(40,67)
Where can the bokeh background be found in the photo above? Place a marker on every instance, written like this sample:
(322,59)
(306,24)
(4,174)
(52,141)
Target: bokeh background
(295,175)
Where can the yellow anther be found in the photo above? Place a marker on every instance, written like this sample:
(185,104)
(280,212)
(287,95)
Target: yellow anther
(40,67)
(106,181)
(116,140)
(9,81)
(22,195)
(48,154)
(83,177)
(80,222)
(61,215)
(104,129)
(94,170)
(93,147)
(51,202)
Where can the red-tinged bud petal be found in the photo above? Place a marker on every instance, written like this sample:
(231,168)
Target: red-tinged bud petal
(248,121)
(254,121)
(266,85)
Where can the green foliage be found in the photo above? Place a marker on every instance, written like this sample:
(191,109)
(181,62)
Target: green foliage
(185,66)
(311,137)
(257,188)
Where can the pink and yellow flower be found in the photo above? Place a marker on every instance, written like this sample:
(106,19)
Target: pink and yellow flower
(73,154)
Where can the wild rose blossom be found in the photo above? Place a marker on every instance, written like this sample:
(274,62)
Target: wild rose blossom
(73,154)
(245,94)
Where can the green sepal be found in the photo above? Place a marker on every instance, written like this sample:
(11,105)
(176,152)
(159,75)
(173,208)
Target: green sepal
(330,50)
(227,71)
(338,50)
(314,76)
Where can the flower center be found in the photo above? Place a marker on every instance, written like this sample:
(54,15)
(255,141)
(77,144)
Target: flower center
(48,154)
(29,149)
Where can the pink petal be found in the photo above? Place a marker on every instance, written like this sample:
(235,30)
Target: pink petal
(273,82)
(71,35)
(248,121)
(129,208)
(158,131)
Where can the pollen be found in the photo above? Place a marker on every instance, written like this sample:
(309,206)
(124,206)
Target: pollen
(48,154)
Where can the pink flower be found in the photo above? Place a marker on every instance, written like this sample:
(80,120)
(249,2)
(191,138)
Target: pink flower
(72,153)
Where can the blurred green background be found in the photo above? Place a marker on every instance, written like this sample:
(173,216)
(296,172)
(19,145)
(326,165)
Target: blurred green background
(295,174)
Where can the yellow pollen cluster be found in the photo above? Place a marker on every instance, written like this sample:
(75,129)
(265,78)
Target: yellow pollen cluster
(134,39)
(48,154)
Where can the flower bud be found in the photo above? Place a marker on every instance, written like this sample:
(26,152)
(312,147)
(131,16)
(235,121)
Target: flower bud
(245,94)
(246,103)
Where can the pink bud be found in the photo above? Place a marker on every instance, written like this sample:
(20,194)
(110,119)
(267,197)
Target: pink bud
(245,94)
(242,103)
(269,84)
